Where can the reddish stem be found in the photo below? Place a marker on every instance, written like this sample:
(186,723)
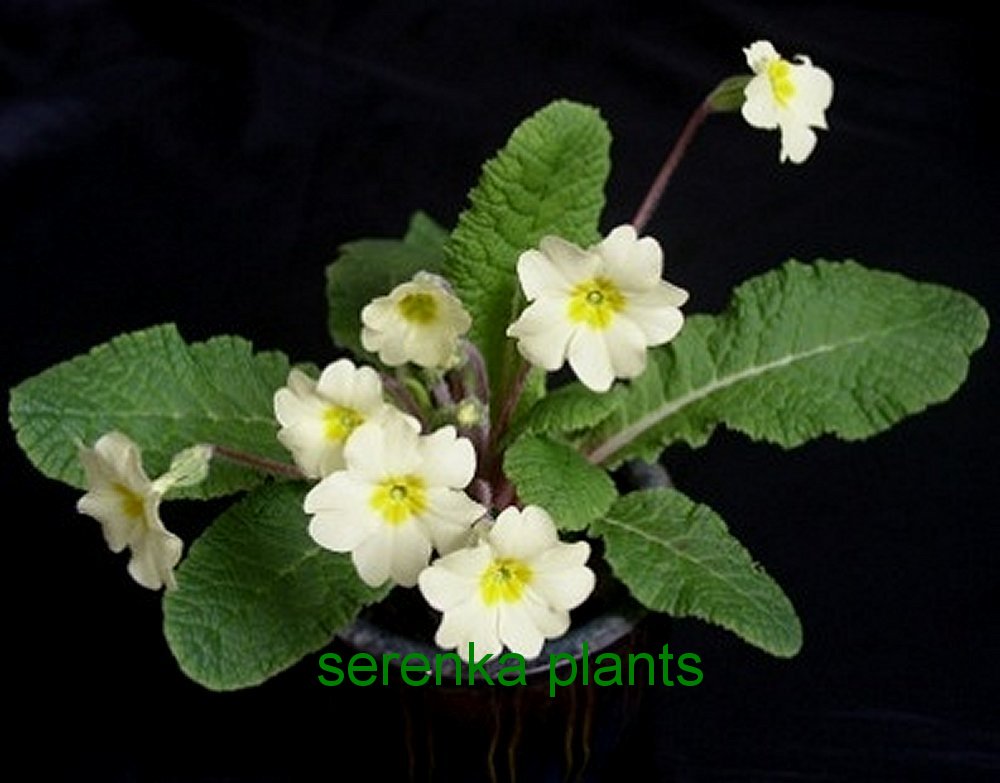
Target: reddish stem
(258,463)
(670,165)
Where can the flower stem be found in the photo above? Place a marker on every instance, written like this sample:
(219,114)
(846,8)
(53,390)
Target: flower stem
(479,370)
(258,463)
(442,394)
(510,404)
(505,495)
(652,199)
(402,395)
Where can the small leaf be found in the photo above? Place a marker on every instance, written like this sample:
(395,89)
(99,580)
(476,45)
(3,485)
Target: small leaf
(805,350)
(559,479)
(425,233)
(549,179)
(164,394)
(255,593)
(569,409)
(365,270)
(677,556)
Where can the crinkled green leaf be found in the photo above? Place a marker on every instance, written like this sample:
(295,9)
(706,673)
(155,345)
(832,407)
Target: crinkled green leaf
(549,179)
(568,409)
(805,350)
(256,593)
(677,556)
(163,393)
(365,270)
(559,479)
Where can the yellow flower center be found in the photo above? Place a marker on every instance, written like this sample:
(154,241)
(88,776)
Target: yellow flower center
(340,421)
(504,580)
(594,303)
(418,308)
(779,72)
(400,497)
(131,502)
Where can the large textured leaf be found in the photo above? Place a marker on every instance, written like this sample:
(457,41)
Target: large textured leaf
(805,350)
(558,478)
(164,394)
(255,593)
(677,556)
(370,268)
(549,179)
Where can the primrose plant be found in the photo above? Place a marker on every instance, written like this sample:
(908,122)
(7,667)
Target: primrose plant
(444,458)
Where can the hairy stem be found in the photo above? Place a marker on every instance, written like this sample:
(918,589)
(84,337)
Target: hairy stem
(402,396)
(256,462)
(652,199)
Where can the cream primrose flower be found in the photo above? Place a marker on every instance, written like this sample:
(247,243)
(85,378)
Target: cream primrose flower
(514,588)
(420,321)
(791,96)
(122,498)
(399,496)
(600,307)
(317,417)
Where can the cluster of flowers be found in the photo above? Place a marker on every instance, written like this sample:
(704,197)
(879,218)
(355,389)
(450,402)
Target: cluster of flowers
(390,493)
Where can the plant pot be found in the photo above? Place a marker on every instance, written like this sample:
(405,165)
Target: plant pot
(552,727)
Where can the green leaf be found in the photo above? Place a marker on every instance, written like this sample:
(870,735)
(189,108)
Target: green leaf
(549,179)
(569,409)
(365,270)
(255,593)
(559,479)
(426,233)
(677,556)
(805,350)
(164,394)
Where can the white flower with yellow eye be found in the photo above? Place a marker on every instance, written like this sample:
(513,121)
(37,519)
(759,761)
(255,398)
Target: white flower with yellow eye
(399,496)
(122,498)
(599,308)
(791,96)
(514,588)
(420,321)
(317,418)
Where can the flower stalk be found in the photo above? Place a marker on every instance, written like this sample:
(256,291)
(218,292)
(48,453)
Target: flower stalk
(670,164)
(256,462)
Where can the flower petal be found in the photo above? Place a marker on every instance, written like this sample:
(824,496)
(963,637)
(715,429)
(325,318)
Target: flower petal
(543,332)
(589,357)
(797,142)
(626,344)
(634,264)
(470,622)
(449,518)
(411,550)
(454,578)
(448,460)
(760,109)
(759,55)
(656,316)
(551,622)
(372,558)
(539,275)
(382,448)
(522,534)
(561,578)
(814,92)
(518,631)
(153,559)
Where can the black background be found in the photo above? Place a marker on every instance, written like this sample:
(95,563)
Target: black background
(200,162)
